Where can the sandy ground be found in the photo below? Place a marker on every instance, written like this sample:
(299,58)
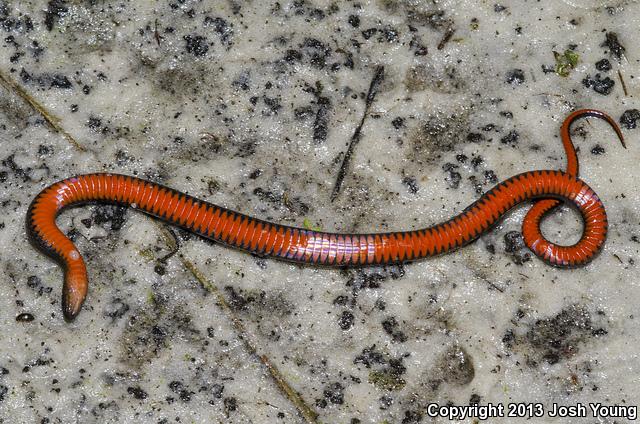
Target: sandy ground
(252,105)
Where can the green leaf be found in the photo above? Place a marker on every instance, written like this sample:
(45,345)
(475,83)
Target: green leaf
(309,226)
(572,57)
(386,380)
(565,62)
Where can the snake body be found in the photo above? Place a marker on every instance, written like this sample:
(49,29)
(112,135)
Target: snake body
(317,247)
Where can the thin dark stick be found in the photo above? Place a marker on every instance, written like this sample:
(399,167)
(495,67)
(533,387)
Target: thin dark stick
(378,77)
(156,34)
(447,36)
(624,86)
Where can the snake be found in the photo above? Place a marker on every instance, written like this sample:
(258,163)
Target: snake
(550,188)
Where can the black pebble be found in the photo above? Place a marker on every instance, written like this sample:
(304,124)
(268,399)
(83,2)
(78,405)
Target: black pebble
(603,65)
(411,184)
(475,137)
(334,393)
(511,139)
(615,48)
(25,317)
(513,241)
(60,81)
(137,392)
(196,45)
(346,320)
(629,118)
(515,76)
(601,86)
(398,122)
(368,33)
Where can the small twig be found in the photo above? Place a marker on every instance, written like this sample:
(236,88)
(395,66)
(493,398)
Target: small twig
(492,284)
(52,120)
(155,33)
(378,77)
(174,246)
(447,36)
(624,86)
(309,415)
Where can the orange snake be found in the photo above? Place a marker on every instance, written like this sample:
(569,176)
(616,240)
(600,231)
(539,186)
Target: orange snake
(317,247)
